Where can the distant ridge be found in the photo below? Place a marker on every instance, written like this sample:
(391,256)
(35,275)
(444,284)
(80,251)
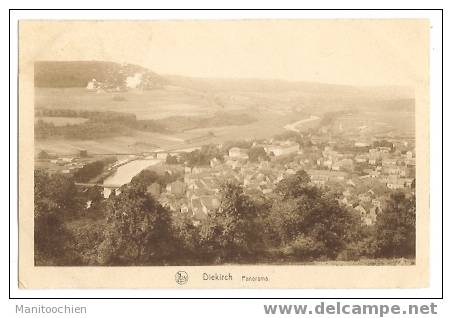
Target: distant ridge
(274,85)
(79,73)
(113,76)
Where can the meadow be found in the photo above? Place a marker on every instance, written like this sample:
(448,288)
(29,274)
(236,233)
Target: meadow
(397,123)
(62,121)
(149,104)
(272,111)
(272,116)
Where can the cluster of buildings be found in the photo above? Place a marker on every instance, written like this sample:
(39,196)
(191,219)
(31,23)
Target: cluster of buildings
(101,87)
(198,191)
(61,164)
(362,173)
(137,80)
(365,176)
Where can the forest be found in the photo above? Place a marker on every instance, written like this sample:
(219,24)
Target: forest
(298,223)
(112,124)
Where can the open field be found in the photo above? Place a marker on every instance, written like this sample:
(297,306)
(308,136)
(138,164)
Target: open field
(139,142)
(177,101)
(266,126)
(399,123)
(272,111)
(62,121)
(151,104)
(161,103)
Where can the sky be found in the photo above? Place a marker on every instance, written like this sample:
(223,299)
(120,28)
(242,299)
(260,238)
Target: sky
(351,52)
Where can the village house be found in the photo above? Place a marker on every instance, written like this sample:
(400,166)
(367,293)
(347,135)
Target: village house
(320,177)
(384,149)
(374,174)
(395,184)
(364,197)
(236,153)
(176,187)
(285,148)
(361,144)
(373,160)
(389,162)
(376,203)
(67,159)
(344,164)
(162,155)
(392,169)
(184,208)
(361,158)
(328,163)
(93,85)
(408,182)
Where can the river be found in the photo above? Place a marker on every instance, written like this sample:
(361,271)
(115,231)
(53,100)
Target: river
(126,172)
(293,126)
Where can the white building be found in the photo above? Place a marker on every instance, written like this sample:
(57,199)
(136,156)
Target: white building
(283,149)
(236,153)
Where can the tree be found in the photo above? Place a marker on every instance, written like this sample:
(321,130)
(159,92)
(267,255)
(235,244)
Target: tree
(87,236)
(43,155)
(187,236)
(92,170)
(396,227)
(171,160)
(202,157)
(383,143)
(295,185)
(138,230)
(60,190)
(51,237)
(257,153)
(145,178)
(290,136)
(94,194)
(308,222)
(231,233)
(196,158)
(96,208)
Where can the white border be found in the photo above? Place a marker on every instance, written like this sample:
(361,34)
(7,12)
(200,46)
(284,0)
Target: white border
(435,152)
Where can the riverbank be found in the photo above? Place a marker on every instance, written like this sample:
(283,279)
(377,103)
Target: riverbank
(126,172)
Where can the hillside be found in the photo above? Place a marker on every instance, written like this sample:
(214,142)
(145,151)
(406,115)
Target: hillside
(172,112)
(310,96)
(63,74)
(63,85)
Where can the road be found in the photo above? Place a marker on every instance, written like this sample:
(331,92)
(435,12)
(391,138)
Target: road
(293,126)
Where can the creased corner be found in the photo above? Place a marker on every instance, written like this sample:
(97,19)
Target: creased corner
(22,285)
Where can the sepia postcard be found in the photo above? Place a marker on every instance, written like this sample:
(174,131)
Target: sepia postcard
(224,153)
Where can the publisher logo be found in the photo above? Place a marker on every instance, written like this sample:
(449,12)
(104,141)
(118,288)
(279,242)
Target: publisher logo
(181,277)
